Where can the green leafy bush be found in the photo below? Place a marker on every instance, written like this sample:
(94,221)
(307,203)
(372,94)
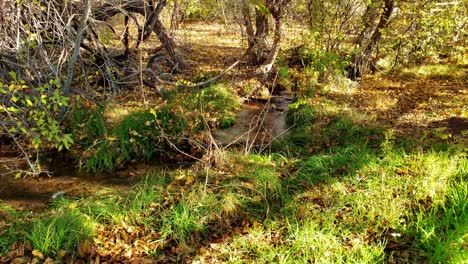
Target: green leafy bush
(33,112)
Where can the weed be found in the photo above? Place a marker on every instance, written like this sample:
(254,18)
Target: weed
(220,103)
(341,161)
(301,113)
(89,123)
(143,134)
(442,230)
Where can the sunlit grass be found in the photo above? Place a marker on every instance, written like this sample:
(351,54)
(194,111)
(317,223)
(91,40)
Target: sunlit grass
(350,204)
(64,230)
(10,225)
(440,71)
(337,189)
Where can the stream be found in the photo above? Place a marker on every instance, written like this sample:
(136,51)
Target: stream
(258,124)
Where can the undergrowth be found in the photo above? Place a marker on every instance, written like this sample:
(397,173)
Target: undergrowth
(336,189)
(145,133)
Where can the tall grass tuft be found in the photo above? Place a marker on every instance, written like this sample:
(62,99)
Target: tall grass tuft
(62,231)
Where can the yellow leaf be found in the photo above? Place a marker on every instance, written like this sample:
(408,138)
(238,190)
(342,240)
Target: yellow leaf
(36,253)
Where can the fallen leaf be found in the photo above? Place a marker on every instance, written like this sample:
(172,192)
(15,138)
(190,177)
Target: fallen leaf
(183,249)
(62,253)
(84,248)
(36,253)
(129,253)
(20,260)
(49,261)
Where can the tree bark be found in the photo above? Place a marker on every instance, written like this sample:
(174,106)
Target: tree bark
(152,24)
(368,40)
(67,89)
(259,52)
(169,45)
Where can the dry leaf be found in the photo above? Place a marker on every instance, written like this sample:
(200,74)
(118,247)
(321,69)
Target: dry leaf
(49,261)
(62,253)
(20,260)
(84,248)
(183,249)
(36,253)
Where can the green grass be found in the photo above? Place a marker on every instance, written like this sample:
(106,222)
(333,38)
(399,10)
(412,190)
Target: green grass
(439,71)
(10,226)
(182,222)
(336,189)
(104,145)
(63,231)
(356,215)
(350,204)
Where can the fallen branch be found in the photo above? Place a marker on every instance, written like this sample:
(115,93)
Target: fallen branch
(195,85)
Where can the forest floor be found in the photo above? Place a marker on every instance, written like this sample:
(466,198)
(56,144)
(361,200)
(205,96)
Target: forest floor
(369,172)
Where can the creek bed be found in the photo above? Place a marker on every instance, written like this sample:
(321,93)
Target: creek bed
(258,123)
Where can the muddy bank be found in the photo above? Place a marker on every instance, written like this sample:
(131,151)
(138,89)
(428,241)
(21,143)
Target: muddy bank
(33,194)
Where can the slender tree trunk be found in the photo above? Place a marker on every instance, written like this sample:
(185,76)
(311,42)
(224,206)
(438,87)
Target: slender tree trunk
(175,16)
(169,45)
(249,29)
(368,41)
(269,61)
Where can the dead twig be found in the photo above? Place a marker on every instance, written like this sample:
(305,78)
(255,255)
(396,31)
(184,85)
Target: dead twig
(196,85)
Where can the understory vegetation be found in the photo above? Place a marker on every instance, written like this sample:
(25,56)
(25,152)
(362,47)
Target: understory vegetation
(105,145)
(241,131)
(338,188)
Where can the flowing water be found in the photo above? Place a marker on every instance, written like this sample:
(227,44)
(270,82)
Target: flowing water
(258,123)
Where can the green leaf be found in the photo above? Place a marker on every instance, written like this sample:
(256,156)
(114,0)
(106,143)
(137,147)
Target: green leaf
(13,75)
(153,112)
(283,72)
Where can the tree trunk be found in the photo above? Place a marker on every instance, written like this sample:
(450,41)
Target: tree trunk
(269,61)
(369,37)
(169,45)
(175,16)
(259,52)
(152,23)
